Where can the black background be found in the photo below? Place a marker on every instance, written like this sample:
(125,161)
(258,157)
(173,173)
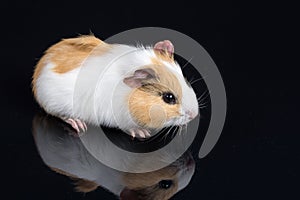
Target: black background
(257,156)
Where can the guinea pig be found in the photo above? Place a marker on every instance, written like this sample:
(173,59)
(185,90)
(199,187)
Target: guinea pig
(137,89)
(68,156)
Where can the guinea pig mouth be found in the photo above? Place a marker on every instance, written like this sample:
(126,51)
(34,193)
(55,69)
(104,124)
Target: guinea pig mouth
(183,120)
(174,122)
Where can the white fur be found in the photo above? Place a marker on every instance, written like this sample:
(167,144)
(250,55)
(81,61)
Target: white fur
(95,92)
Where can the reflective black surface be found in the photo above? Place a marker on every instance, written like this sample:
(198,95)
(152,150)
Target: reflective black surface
(80,159)
(257,156)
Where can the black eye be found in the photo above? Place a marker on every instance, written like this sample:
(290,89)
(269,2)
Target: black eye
(165,184)
(169,98)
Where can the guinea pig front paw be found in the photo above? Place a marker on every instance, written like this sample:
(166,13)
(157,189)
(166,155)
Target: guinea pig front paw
(79,126)
(139,133)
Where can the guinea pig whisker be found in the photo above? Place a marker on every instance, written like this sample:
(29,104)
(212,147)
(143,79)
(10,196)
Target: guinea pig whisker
(179,129)
(165,136)
(202,97)
(194,81)
(201,107)
(202,94)
(203,104)
(157,135)
(186,63)
(175,131)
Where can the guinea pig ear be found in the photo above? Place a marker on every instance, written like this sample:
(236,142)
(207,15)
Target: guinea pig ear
(128,194)
(139,77)
(164,47)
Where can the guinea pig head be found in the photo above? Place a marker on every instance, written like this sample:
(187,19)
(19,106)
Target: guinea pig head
(161,97)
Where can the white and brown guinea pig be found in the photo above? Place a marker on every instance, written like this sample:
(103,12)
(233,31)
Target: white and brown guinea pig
(137,89)
(67,155)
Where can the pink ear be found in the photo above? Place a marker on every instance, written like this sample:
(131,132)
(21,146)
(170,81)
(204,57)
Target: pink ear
(128,194)
(139,76)
(165,45)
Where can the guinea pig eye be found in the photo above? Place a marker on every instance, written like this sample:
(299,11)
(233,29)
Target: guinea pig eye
(165,184)
(169,98)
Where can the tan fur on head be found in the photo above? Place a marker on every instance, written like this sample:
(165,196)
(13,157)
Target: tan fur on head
(148,108)
(163,55)
(142,99)
(145,185)
(68,54)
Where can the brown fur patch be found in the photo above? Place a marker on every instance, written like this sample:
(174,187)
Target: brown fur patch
(142,100)
(157,61)
(68,54)
(147,106)
(168,79)
(146,184)
(83,185)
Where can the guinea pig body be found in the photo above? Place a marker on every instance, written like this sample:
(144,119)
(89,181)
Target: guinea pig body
(137,89)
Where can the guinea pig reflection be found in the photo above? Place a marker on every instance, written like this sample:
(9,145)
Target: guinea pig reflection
(66,154)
